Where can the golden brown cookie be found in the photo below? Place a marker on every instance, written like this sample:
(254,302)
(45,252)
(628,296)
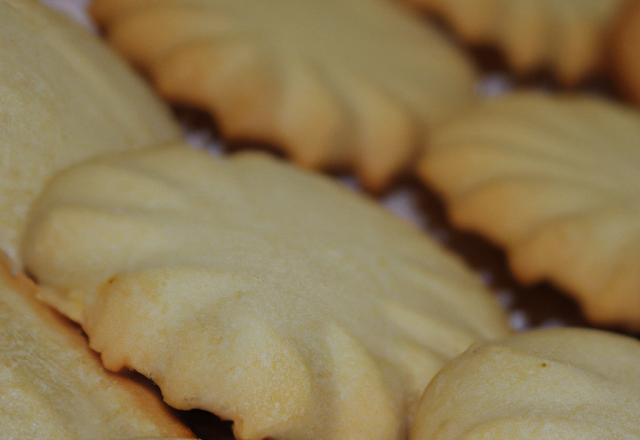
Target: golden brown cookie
(564,384)
(553,180)
(270,296)
(568,36)
(625,50)
(337,83)
(64,96)
(53,385)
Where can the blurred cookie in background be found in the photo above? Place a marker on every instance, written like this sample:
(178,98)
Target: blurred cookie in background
(352,85)
(553,180)
(65,97)
(625,51)
(568,37)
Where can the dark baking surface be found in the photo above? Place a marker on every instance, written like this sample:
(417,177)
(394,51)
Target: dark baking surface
(207,426)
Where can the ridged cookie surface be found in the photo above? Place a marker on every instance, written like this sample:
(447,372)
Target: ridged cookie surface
(333,83)
(567,36)
(554,384)
(554,180)
(64,96)
(53,385)
(267,295)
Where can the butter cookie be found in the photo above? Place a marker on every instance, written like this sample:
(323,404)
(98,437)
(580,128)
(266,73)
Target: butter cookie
(553,180)
(563,383)
(567,36)
(335,84)
(265,294)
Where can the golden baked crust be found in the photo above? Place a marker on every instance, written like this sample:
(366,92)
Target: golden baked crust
(53,385)
(267,295)
(563,384)
(553,180)
(64,96)
(333,83)
(569,36)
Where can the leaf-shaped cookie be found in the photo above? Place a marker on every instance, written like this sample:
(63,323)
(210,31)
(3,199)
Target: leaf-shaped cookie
(555,181)
(334,83)
(64,96)
(569,36)
(270,296)
(564,384)
(53,385)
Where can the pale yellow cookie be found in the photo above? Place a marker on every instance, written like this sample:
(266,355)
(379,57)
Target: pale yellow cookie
(555,181)
(64,96)
(558,384)
(333,83)
(568,36)
(267,295)
(53,385)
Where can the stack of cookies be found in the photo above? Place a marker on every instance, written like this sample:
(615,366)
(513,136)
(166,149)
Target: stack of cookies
(144,277)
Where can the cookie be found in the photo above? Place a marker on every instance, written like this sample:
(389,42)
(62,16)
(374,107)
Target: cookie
(64,96)
(270,296)
(625,47)
(568,37)
(564,383)
(53,385)
(554,181)
(342,84)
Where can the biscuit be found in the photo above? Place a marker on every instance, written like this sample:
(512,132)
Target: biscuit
(64,96)
(53,385)
(343,84)
(567,36)
(554,181)
(625,47)
(265,294)
(563,383)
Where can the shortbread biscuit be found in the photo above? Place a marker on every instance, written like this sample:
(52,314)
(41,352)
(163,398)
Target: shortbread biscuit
(625,50)
(270,296)
(335,84)
(564,383)
(53,385)
(553,180)
(64,96)
(567,36)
